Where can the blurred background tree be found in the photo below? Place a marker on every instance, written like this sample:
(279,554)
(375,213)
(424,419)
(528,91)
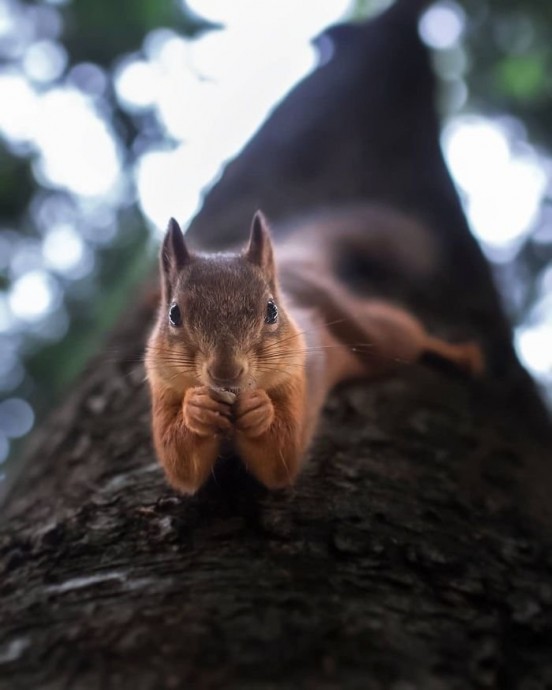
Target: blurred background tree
(115,115)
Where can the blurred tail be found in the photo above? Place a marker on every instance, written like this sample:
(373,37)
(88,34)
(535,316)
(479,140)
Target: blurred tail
(465,358)
(364,241)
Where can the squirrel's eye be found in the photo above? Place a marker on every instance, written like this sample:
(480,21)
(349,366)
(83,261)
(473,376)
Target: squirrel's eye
(175,317)
(271,312)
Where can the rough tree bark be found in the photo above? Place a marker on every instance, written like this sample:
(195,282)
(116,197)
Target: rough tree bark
(413,552)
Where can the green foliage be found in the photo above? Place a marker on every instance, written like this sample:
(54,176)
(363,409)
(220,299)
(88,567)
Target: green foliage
(367,8)
(16,185)
(102,31)
(522,78)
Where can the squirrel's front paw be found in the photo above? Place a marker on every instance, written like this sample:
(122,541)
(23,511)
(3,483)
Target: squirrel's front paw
(254,413)
(204,415)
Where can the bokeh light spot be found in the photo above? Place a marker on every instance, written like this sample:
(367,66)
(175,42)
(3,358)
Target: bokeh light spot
(136,84)
(18,111)
(160,179)
(7,321)
(4,450)
(278,17)
(442,25)
(503,190)
(16,417)
(45,61)
(63,248)
(534,347)
(88,78)
(78,150)
(34,295)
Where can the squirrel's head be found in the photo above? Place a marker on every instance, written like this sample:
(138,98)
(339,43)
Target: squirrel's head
(221,321)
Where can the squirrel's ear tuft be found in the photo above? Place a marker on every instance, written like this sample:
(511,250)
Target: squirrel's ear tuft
(174,255)
(259,250)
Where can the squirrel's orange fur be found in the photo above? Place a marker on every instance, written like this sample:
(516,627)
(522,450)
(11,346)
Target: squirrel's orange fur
(228,369)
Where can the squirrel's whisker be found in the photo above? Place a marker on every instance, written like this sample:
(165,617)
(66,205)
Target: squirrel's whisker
(304,332)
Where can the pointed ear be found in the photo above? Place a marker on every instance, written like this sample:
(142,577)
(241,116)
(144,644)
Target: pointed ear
(259,250)
(174,256)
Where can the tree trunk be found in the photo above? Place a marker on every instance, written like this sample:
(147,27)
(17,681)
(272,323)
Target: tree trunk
(413,551)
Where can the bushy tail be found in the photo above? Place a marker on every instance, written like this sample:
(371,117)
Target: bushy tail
(363,241)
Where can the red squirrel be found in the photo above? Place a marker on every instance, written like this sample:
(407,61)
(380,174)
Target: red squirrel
(248,345)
